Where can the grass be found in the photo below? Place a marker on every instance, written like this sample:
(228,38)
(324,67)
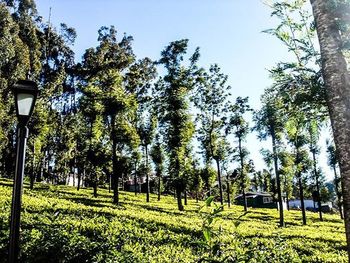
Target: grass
(61,224)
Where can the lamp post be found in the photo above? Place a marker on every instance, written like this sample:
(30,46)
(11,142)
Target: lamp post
(25,92)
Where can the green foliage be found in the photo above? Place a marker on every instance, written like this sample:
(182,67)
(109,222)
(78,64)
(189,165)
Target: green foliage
(172,92)
(61,224)
(211,237)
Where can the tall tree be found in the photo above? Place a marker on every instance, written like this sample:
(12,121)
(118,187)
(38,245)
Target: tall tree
(333,163)
(239,127)
(102,69)
(313,137)
(157,155)
(287,173)
(146,132)
(328,16)
(212,101)
(269,123)
(297,137)
(173,94)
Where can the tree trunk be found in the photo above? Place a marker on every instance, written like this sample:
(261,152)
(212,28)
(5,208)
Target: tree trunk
(83,183)
(196,196)
(42,168)
(301,193)
(338,193)
(317,186)
(147,175)
(185,197)
(115,174)
(337,82)
(159,181)
(278,181)
(228,191)
(95,188)
(179,201)
(242,175)
(109,183)
(135,179)
(79,178)
(219,179)
(32,178)
(244,200)
(123,180)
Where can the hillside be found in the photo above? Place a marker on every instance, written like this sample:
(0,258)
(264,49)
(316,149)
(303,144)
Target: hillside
(61,224)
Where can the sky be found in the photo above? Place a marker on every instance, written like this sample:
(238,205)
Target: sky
(228,32)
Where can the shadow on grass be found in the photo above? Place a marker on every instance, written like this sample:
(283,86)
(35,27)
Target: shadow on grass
(8,182)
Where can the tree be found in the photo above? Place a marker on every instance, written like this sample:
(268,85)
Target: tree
(146,132)
(333,163)
(287,173)
(328,16)
(173,105)
(102,69)
(212,101)
(269,123)
(239,127)
(313,137)
(208,176)
(296,136)
(157,155)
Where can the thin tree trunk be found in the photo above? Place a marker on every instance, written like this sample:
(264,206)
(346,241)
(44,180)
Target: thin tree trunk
(179,201)
(123,180)
(135,179)
(32,178)
(115,174)
(185,197)
(83,183)
(338,193)
(278,181)
(228,191)
(301,193)
(245,200)
(219,179)
(147,175)
(79,179)
(109,183)
(116,191)
(159,181)
(95,187)
(337,83)
(42,168)
(317,186)
(242,174)
(196,196)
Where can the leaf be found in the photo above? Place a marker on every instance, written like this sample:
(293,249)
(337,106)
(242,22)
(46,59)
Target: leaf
(209,200)
(207,234)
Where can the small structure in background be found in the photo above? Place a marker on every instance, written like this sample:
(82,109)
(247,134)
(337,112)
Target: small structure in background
(259,200)
(310,205)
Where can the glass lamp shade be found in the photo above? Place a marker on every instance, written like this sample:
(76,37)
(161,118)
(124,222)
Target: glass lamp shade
(25,92)
(24,103)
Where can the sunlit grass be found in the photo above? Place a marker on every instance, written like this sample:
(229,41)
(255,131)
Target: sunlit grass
(60,223)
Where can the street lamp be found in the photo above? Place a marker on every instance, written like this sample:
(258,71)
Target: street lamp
(25,92)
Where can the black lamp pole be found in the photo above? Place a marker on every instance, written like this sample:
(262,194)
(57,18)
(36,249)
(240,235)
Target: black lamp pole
(25,95)
(22,135)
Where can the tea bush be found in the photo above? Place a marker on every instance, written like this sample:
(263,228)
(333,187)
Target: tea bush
(61,224)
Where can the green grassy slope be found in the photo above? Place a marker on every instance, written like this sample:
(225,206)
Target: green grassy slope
(61,224)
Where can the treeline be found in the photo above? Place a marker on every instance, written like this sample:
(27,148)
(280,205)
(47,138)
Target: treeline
(111,118)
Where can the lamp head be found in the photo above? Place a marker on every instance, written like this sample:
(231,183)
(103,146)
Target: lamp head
(25,92)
